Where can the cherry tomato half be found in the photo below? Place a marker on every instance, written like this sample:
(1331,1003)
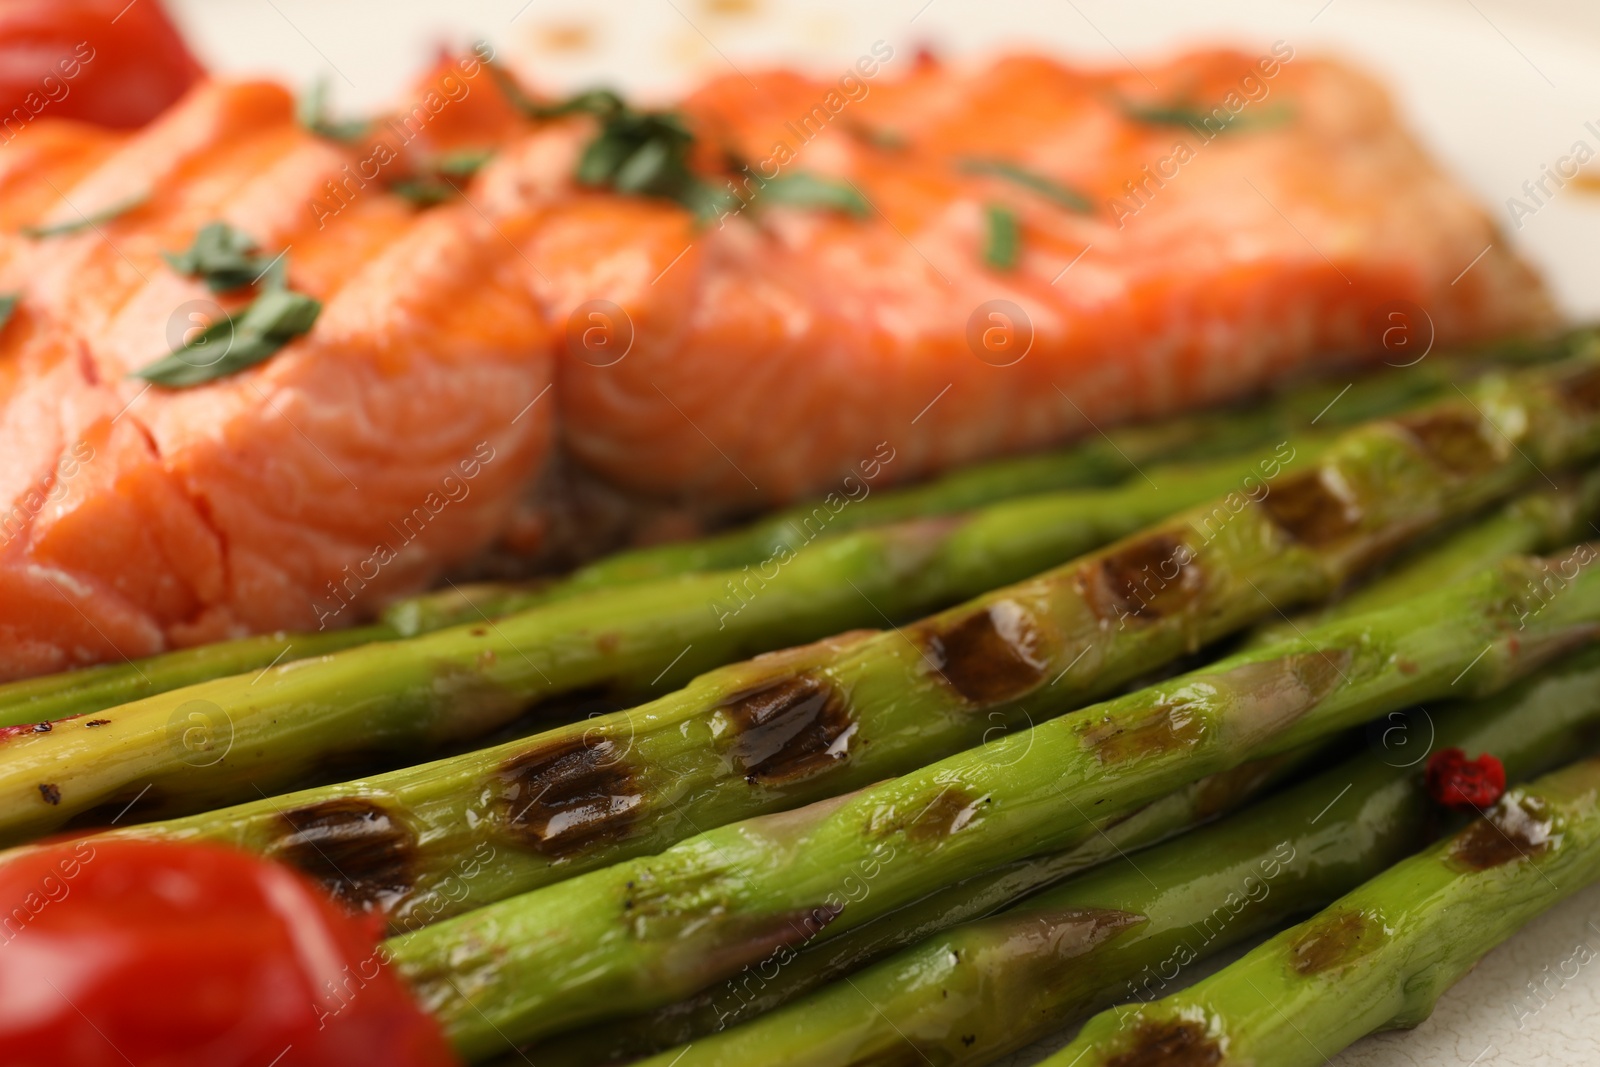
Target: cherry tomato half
(174,955)
(103,61)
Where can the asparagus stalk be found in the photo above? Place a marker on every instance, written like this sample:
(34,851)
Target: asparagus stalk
(817,721)
(1540,520)
(83,692)
(254,734)
(1126,930)
(1537,521)
(647,932)
(1382,955)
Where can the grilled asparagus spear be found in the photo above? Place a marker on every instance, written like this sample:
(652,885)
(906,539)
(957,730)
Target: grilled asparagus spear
(1540,520)
(650,931)
(1383,954)
(819,720)
(1127,930)
(251,735)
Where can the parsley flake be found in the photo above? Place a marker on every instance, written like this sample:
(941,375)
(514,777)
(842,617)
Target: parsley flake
(1002,245)
(1052,190)
(311,111)
(89,221)
(800,189)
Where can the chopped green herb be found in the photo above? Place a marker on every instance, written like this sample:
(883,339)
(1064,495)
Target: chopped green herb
(1052,190)
(433,185)
(799,189)
(226,259)
(222,257)
(311,111)
(233,343)
(1002,245)
(1180,114)
(423,192)
(601,103)
(640,152)
(89,221)
(463,164)
(8,305)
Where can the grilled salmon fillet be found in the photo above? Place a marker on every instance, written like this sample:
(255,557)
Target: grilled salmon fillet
(390,441)
(1157,257)
(774,351)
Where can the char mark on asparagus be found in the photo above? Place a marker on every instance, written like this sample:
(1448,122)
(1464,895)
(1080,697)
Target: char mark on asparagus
(1335,940)
(571,794)
(1517,828)
(1183,1043)
(358,850)
(989,656)
(1311,512)
(788,730)
(1152,578)
(1458,442)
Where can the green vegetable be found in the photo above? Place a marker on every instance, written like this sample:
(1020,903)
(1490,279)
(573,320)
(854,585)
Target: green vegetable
(646,932)
(424,192)
(464,163)
(221,256)
(800,189)
(1124,931)
(92,689)
(1541,520)
(1382,955)
(459,681)
(91,221)
(821,720)
(640,152)
(311,111)
(1052,190)
(1002,245)
(8,307)
(231,344)
(435,181)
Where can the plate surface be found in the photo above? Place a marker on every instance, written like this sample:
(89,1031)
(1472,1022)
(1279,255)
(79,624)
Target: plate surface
(1499,91)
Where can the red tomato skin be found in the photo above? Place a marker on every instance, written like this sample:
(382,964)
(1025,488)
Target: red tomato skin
(102,61)
(176,955)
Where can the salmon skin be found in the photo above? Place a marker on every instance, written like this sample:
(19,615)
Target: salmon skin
(1002,257)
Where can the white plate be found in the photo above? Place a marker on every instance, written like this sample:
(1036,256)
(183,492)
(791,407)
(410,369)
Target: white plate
(1495,92)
